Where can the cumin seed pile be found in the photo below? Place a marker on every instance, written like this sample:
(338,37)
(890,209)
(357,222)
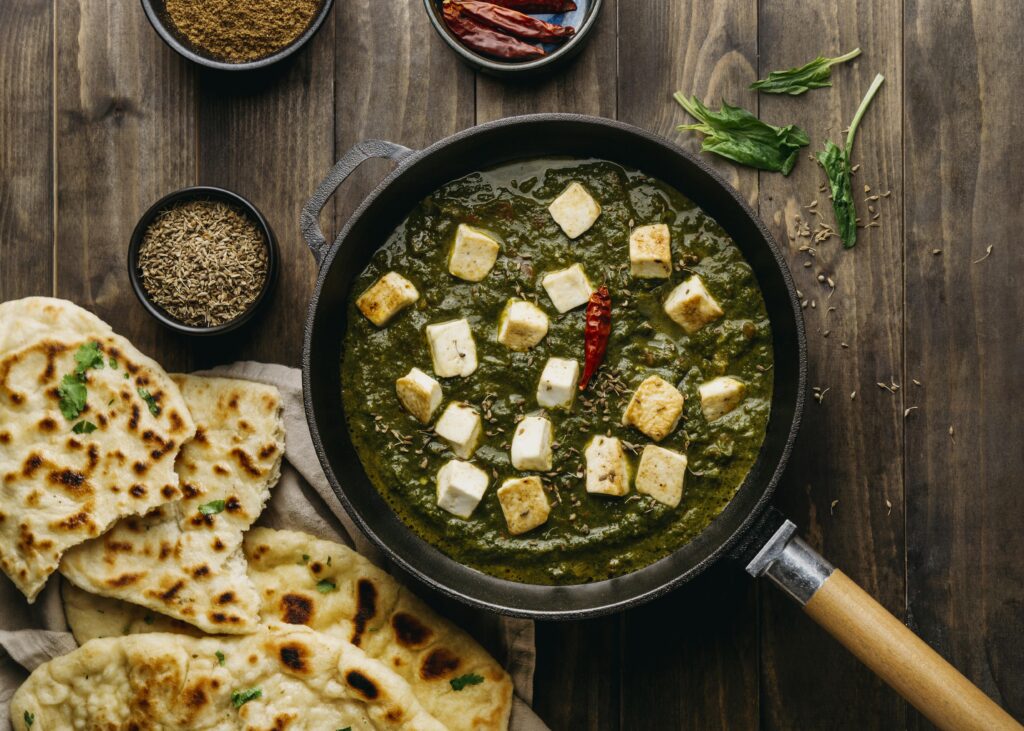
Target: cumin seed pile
(203,261)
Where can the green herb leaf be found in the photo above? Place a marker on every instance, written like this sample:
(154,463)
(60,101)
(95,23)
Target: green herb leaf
(738,135)
(305,558)
(150,401)
(212,508)
(220,658)
(30,718)
(72,396)
(347,728)
(240,697)
(463,680)
(815,74)
(326,586)
(84,427)
(835,161)
(88,356)
(112,363)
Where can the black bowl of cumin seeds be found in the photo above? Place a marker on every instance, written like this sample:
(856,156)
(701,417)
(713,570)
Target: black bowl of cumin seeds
(236,35)
(202,260)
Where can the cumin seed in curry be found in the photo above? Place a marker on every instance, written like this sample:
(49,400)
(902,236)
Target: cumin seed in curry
(462,359)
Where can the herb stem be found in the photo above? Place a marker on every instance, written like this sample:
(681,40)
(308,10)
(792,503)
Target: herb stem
(872,90)
(845,57)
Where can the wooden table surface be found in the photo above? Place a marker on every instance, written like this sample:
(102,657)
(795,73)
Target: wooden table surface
(915,490)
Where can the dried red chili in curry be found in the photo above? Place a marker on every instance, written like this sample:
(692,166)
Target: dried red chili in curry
(596,331)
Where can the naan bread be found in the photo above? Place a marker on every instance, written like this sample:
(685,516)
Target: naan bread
(185,559)
(173,682)
(366,606)
(59,488)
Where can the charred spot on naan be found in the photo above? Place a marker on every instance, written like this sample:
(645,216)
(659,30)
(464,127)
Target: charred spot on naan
(366,609)
(294,656)
(409,631)
(439,663)
(246,462)
(362,684)
(296,608)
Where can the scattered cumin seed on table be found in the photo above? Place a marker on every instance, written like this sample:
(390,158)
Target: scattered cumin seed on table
(203,261)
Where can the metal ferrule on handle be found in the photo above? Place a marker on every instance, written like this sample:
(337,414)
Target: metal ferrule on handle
(791,564)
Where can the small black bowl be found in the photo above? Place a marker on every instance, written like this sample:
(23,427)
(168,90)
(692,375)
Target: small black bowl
(201,192)
(588,10)
(157,14)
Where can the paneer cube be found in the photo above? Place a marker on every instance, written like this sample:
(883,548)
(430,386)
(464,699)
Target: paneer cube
(661,474)
(575,210)
(524,504)
(386,297)
(460,486)
(473,254)
(522,325)
(691,306)
(557,387)
(607,466)
(650,252)
(568,288)
(420,394)
(655,408)
(720,395)
(452,348)
(531,444)
(460,425)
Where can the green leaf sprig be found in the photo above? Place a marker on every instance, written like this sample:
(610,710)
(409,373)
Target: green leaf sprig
(738,135)
(72,391)
(146,396)
(814,74)
(463,680)
(326,586)
(835,161)
(212,508)
(240,697)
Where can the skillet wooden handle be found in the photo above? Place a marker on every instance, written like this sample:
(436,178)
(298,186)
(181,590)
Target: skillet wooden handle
(902,659)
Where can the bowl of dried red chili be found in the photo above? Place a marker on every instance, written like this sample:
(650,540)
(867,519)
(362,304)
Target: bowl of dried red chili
(236,35)
(513,37)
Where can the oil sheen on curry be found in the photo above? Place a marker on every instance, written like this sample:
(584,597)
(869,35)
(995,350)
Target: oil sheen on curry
(473,329)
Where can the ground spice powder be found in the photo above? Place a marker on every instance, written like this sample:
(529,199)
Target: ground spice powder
(237,31)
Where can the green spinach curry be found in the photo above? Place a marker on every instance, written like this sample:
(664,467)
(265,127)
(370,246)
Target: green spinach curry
(586,537)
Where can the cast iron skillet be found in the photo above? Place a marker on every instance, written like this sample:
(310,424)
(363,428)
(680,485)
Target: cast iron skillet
(747,529)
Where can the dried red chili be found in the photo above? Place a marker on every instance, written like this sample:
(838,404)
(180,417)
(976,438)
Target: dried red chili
(538,6)
(515,23)
(486,40)
(595,332)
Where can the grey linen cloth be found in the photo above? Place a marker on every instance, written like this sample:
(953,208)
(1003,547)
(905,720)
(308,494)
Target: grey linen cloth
(303,500)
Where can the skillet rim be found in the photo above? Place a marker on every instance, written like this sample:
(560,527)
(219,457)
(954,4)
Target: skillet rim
(724,545)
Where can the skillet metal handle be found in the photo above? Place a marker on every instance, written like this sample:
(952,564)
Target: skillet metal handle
(876,637)
(358,154)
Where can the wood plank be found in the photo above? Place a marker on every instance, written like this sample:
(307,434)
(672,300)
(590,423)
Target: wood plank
(577,682)
(26,150)
(850,450)
(125,137)
(690,659)
(963,343)
(414,91)
(249,141)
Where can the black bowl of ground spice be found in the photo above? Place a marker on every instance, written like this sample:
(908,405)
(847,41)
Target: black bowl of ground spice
(236,35)
(202,260)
